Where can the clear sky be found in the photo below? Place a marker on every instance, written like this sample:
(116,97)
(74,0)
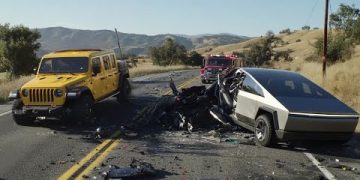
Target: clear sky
(242,17)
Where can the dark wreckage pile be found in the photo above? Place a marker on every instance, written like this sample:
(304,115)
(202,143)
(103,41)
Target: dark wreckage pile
(198,106)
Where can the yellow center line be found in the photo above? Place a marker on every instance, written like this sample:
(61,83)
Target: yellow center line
(101,151)
(98,160)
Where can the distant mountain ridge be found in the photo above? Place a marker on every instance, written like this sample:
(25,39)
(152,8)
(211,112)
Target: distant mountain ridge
(58,38)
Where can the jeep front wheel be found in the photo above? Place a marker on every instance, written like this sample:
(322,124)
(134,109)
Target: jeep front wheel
(83,109)
(19,117)
(264,135)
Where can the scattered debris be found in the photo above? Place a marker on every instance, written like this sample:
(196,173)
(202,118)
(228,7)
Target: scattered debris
(342,166)
(137,169)
(131,134)
(177,158)
(62,162)
(279,163)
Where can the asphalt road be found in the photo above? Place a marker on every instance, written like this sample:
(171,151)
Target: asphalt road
(51,149)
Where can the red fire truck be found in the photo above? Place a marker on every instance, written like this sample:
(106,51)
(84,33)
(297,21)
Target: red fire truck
(215,64)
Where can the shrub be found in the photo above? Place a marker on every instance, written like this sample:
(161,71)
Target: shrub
(285,31)
(339,47)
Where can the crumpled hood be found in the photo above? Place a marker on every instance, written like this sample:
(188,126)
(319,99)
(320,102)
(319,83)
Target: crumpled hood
(54,81)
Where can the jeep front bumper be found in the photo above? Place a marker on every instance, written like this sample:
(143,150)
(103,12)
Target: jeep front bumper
(42,111)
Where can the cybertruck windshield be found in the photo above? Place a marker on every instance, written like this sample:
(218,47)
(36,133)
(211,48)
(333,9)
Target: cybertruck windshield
(64,65)
(218,62)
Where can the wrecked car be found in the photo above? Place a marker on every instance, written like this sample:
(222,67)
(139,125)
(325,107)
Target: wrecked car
(276,105)
(281,105)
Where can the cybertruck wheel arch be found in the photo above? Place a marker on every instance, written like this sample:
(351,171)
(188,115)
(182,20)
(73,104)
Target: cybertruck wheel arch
(273,114)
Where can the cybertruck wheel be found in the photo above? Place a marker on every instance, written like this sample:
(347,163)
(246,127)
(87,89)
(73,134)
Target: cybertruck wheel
(18,116)
(125,90)
(83,109)
(264,131)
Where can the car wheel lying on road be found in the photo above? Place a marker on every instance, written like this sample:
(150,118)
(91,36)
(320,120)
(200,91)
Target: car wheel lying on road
(19,117)
(264,131)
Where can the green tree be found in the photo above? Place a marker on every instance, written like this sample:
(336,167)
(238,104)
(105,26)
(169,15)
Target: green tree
(285,31)
(306,27)
(168,54)
(20,45)
(262,51)
(4,65)
(195,59)
(345,18)
(339,47)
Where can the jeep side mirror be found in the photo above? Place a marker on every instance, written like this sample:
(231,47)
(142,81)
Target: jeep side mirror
(96,70)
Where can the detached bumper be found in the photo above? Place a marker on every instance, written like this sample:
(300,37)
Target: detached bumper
(42,111)
(326,136)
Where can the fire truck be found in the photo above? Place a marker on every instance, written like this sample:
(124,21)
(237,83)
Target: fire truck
(218,64)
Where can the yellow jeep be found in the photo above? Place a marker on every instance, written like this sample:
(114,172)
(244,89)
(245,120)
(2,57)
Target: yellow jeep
(68,83)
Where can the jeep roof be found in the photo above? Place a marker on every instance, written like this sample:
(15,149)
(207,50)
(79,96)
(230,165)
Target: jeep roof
(72,53)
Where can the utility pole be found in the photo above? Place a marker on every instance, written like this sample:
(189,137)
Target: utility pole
(324,58)
(118,42)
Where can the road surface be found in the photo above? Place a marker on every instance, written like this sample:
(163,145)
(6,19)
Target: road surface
(51,149)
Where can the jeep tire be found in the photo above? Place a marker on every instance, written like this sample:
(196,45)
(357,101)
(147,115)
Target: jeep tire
(125,90)
(264,131)
(83,109)
(20,118)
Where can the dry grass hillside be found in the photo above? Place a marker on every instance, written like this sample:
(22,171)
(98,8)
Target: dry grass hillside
(342,78)
(227,49)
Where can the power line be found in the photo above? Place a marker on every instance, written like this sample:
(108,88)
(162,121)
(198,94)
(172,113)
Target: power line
(311,12)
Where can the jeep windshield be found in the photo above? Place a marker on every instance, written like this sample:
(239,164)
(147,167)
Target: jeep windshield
(64,65)
(218,62)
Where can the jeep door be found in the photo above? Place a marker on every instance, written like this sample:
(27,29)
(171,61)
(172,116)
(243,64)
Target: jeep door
(98,79)
(114,73)
(111,79)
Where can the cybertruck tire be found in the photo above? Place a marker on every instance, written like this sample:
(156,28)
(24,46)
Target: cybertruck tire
(264,131)
(18,116)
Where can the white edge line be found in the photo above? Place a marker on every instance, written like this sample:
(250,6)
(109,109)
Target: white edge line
(5,113)
(326,172)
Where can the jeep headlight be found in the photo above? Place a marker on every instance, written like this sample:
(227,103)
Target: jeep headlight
(25,92)
(58,92)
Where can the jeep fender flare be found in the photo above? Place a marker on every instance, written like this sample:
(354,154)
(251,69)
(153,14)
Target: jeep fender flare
(273,114)
(75,93)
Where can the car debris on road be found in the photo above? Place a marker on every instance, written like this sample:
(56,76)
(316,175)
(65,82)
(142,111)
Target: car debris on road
(137,169)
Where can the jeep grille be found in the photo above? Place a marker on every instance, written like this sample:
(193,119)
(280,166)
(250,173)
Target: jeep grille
(41,95)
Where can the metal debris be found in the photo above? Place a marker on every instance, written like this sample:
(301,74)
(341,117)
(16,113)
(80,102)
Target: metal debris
(137,169)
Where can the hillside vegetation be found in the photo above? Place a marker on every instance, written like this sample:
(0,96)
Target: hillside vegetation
(57,38)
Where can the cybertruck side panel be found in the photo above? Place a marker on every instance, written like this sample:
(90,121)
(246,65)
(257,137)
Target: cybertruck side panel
(249,104)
